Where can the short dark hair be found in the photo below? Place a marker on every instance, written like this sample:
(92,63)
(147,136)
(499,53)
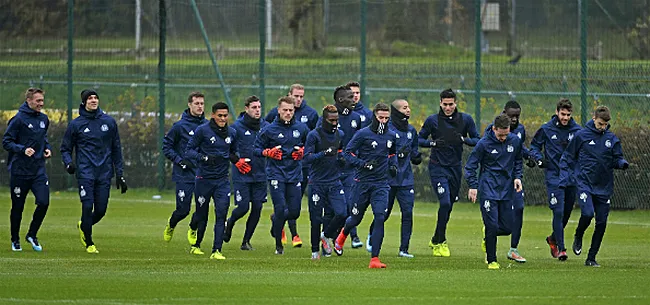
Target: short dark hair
(353,84)
(29,94)
(251,99)
(194,94)
(602,112)
(340,88)
(502,121)
(511,104)
(448,93)
(219,106)
(380,107)
(564,103)
(287,100)
(329,109)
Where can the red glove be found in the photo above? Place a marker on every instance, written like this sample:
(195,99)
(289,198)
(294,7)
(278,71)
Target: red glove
(243,166)
(273,153)
(298,153)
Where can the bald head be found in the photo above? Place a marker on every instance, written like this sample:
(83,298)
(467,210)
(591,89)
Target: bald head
(402,106)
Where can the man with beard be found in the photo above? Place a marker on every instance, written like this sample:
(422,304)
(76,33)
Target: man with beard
(499,157)
(98,156)
(372,152)
(283,143)
(446,133)
(308,116)
(248,174)
(513,111)
(184,171)
(211,147)
(553,138)
(349,122)
(401,186)
(593,153)
(364,113)
(326,194)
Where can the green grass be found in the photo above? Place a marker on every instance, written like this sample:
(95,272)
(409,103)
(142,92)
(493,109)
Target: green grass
(136,267)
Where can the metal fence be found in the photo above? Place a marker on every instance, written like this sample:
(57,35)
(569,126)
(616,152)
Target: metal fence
(591,51)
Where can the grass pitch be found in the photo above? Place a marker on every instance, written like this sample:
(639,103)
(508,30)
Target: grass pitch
(135,266)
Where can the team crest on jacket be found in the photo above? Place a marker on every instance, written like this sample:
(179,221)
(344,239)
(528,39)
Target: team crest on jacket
(212,140)
(296,134)
(397,135)
(104,127)
(353,124)
(510,148)
(389,143)
(363,118)
(519,135)
(227,140)
(409,135)
(42,124)
(304,119)
(608,144)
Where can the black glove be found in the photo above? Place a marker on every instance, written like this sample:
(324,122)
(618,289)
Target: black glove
(531,162)
(183,164)
(625,166)
(541,163)
(370,165)
(70,168)
(416,160)
(121,184)
(330,151)
(210,159)
(438,143)
(392,170)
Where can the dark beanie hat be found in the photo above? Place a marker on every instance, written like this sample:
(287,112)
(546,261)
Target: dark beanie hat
(85,94)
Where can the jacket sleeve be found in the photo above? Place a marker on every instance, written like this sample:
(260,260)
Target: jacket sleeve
(310,149)
(169,141)
(313,120)
(537,144)
(261,142)
(472,166)
(10,138)
(68,143)
(619,161)
(519,164)
(351,150)
(414,145)
(568,159)
(392,152)
(47,142)
(116,153)
(472,135)
(192,149)
(425,132)
(525,152)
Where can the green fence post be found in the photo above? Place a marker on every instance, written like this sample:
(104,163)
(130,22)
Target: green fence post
(362,50)
(477,48)
(262,30)
(583,62)
(199,20)
(161,91)
(70,61)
